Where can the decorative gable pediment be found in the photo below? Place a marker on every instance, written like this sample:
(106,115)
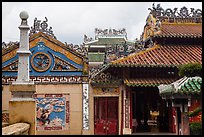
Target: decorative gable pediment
(49,57)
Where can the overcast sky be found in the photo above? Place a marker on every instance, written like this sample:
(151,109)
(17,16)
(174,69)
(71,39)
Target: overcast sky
(71,20)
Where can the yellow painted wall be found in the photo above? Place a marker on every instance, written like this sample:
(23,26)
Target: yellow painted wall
(17,113)
(75,91)
(6,96)
(76,114)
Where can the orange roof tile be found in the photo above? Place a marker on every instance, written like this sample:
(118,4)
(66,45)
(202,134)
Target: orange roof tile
(180,30)
(153,82)
(165,55)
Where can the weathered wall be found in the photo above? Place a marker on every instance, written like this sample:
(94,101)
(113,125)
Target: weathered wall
(75,91)
(17,113)
(6,96)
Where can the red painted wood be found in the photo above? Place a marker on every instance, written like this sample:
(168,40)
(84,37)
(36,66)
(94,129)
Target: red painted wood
(174,123)
(130,110)
(121,130)
(106,116)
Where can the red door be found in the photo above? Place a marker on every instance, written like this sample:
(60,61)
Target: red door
(106,115)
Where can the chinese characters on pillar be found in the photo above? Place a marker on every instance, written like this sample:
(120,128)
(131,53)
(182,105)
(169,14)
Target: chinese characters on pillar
(85,106)
(127,114)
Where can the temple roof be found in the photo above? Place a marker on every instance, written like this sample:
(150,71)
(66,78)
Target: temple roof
(183,86)
(182,30)
(183,23)
(108,37)
(147,82)
(78,50)
(163,55)
(96,57)
(107,41)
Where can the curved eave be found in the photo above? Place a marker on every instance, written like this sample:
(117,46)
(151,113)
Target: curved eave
(145,65)
(176,36)
(142,85)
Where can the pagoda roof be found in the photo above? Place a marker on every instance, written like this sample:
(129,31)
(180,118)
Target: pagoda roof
(183,86)
(148,82)
(171,23)
(109,41)
(182,30)
(162,56)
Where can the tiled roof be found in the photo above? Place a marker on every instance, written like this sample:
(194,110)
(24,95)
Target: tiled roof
(183,30)
(109,41)
(96,57)
(148,82)
(105,41)
(183,86)
(163,55)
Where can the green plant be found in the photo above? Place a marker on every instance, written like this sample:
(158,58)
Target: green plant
(190,70)
(195,112)
(195,128)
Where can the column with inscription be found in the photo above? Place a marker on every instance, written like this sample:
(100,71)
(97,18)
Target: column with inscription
(126,115)
(85,106)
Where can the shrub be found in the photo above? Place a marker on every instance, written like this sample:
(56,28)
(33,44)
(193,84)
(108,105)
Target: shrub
(195,128)
(195,112)
(190,70)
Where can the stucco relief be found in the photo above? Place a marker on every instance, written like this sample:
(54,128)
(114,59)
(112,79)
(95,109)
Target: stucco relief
(52,111)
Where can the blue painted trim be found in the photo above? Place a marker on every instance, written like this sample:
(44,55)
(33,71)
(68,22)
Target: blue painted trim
(42,48)
(48,51)
(9,61)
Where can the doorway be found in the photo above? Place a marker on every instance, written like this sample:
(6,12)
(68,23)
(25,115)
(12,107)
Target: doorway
(149,111)
(106,115)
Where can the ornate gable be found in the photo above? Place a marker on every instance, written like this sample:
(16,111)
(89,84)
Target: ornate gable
(47,56)
(50,61)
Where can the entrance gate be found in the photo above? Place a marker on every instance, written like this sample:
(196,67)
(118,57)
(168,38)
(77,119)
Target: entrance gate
(105,115)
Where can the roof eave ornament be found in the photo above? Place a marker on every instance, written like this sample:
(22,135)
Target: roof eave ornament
(110,33)
(172,15)
(41,27)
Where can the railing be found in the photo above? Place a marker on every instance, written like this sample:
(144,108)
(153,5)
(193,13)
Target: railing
(16,129)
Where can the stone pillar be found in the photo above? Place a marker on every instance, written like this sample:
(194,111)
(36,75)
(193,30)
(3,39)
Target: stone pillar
(85,106)
(126,115)
(23,52)
(22,106)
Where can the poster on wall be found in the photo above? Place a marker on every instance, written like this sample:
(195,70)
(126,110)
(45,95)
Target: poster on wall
(52,111)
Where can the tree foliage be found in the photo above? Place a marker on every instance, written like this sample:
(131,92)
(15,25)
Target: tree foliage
(190,70)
